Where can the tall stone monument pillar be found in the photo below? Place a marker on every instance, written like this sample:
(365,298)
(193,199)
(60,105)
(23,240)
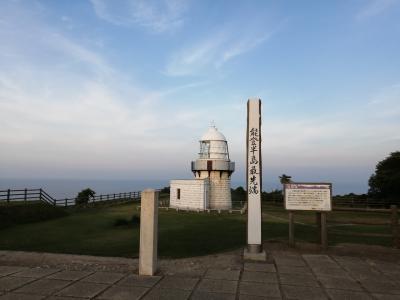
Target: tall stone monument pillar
(254,249)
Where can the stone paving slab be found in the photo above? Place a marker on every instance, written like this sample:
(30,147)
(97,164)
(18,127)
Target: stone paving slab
(340,283)
(294,270)
(123,293)
(307,276)
(136,280)
(8,270)
(222,274)
(218,286)
(61,298)
(259,267)
(290,260)
(269,290)
(298,279)
(201,295)
(318,261)
(259,277)
(390,277)
(385,267)
(362,273)
(167,294)
(347,295)
(377,286)
(13,296)
(36,272)
(386,297)
(11,283)
(251,297)
(104,277)
(302,292)
(176,282)
(43,287)
(83,290)
(69,275)
(331,272)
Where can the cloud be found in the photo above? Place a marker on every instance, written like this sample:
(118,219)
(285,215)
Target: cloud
(157,16)
(63,106)
(216,50)
(385,103)
(374,8)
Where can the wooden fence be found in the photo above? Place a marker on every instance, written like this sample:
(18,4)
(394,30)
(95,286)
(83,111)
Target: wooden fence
(27,195)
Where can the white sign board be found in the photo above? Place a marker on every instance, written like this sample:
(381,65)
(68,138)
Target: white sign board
(308,196)
(254,171)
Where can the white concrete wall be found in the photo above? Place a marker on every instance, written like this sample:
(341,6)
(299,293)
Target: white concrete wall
(194,194)
(220,189)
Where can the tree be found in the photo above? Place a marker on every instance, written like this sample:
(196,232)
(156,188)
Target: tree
(385,182)
(165,190)
(84,196)
(285,178)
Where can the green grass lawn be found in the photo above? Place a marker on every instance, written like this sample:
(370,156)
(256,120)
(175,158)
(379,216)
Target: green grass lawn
(181,234)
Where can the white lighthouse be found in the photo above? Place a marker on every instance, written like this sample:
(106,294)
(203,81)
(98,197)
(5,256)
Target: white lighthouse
(211,188)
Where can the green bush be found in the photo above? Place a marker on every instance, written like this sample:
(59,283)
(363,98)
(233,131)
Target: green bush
(84,196)
(29,213)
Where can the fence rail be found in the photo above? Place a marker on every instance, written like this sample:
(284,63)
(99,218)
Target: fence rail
(28,195)
(347,203)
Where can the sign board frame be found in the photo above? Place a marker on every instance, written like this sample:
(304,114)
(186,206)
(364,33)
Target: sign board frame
(309,184)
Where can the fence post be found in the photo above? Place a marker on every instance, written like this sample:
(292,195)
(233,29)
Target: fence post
(291,229)
(25,195)
(114,196)
(8,196)
(324,231)
(318,221)
(395,226)
(40,194)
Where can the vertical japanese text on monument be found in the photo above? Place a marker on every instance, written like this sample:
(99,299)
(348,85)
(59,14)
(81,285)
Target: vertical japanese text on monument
(254,166)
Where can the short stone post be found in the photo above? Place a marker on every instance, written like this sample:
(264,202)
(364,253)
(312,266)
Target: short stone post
(148,233)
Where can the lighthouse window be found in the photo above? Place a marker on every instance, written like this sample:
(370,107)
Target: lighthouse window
(204,149)
(178,194)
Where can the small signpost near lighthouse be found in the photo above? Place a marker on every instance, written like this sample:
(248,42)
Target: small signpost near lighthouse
(254,249)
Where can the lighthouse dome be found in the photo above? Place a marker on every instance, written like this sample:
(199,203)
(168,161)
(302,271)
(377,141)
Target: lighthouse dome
(213,134)
(213,145)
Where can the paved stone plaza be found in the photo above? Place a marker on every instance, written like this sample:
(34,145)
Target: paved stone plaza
(283,276)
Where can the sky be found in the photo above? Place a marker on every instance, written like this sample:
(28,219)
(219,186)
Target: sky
(103,89)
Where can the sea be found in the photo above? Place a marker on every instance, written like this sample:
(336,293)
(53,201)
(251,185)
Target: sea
(69,188)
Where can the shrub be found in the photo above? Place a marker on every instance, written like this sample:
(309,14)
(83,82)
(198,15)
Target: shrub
(84,196)
(165,190)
